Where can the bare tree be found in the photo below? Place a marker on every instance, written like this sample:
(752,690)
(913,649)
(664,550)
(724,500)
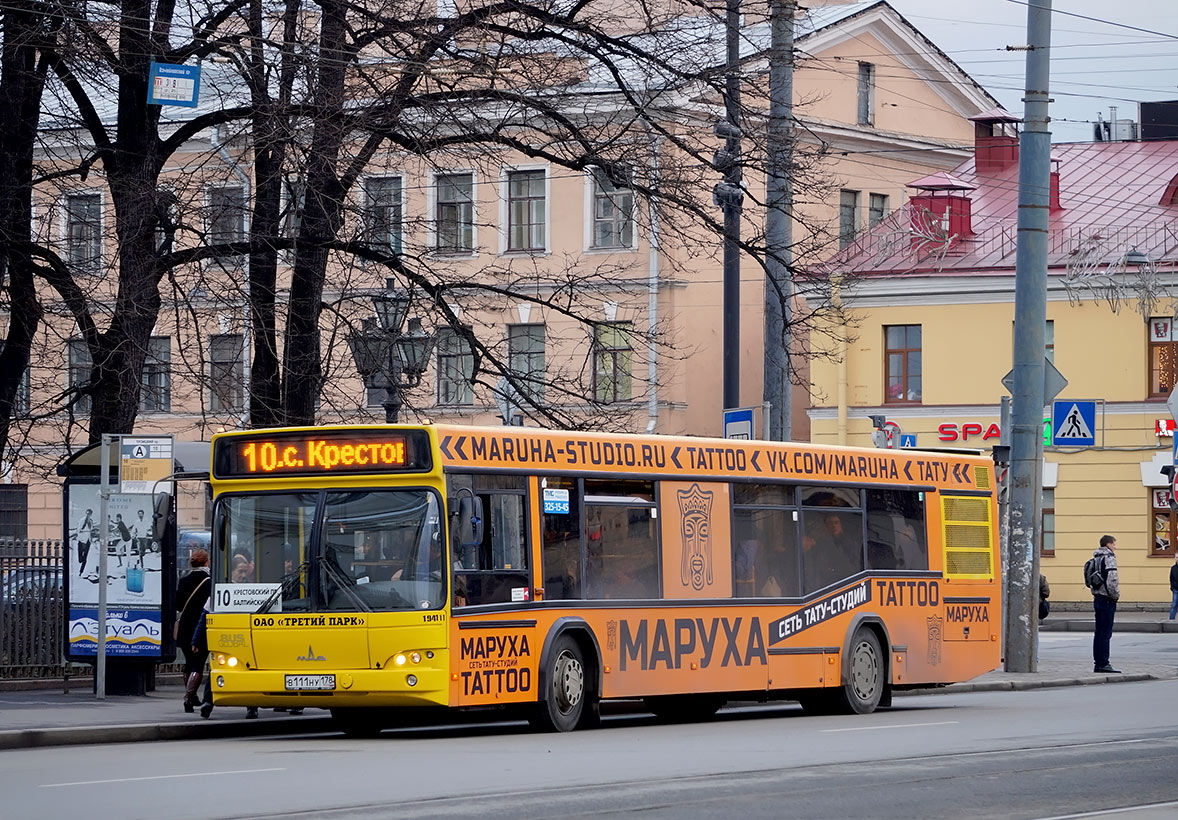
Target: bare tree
(310,101)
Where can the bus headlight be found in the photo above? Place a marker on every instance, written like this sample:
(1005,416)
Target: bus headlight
(399,659)
(415,657)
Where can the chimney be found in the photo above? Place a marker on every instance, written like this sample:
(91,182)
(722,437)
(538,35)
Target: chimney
(1055,204)
(941,206)
(995,140)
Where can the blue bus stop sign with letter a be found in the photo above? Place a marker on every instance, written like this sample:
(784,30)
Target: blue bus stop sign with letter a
(1073,423)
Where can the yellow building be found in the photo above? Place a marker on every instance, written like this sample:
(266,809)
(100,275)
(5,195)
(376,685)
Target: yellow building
(929,301)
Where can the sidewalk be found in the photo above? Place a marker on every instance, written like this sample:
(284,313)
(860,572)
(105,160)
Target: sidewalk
(50,717)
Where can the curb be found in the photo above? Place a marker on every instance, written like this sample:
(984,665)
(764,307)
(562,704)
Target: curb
(148,732)
(1050,683)
(1083,625)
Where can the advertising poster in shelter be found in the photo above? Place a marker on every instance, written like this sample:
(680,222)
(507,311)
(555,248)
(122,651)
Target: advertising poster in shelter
(133,573)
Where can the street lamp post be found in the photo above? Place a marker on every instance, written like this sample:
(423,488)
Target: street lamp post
(388,357)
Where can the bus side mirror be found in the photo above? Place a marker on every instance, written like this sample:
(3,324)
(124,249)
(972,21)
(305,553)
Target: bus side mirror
(467,517)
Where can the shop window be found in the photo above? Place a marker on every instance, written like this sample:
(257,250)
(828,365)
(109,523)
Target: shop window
(1165,524)
(1047,550)
(1163,357)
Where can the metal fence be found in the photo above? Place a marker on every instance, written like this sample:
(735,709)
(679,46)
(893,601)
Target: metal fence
(32,605)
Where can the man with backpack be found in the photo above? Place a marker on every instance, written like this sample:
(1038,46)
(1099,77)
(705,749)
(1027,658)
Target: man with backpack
(1100,575)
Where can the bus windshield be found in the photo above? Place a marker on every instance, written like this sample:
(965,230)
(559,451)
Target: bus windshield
(367,550)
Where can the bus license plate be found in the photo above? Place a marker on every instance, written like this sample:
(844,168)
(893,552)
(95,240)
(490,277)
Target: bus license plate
(297,682)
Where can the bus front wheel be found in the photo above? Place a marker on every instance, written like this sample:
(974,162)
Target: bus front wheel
(564,701)
(864,687)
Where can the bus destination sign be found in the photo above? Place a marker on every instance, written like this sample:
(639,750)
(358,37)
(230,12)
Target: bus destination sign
(326,452)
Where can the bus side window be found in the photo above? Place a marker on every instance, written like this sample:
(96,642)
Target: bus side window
(561,549)
(896,530)
(490,560)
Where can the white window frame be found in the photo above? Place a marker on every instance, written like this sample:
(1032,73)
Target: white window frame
(235,259)
(432,221)
(504,203)
(591,218)
(64,227)
(365,203)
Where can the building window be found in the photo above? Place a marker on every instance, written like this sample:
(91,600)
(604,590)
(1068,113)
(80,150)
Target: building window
(382,213)
(866,94)
(525,356)
(455,368)
(225,373)
(848,216)
(83,215)
(612,352)
(80,365)
(155,387)
(1163,357)
(902,360)
(1165,523)
(14,511)
(21,402)
(525,211)
(1048,547)
(294,197)
(613,214)
(226,217)
(455,217)
(877,208)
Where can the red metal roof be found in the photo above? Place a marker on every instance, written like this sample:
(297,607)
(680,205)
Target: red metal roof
(1111,193)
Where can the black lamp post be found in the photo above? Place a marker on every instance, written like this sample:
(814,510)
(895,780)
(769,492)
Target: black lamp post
(388,357)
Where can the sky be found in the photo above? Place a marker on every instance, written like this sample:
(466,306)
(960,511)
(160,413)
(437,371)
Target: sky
(1095,63)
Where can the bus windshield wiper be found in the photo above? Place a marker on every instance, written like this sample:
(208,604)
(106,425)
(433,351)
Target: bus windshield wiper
(277,593)
(346,585)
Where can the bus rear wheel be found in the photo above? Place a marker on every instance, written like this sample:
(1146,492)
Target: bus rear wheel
(683,708)
(864,687)
(564,701)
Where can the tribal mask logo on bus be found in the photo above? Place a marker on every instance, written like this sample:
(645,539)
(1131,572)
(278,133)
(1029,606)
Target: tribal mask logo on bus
(695,510)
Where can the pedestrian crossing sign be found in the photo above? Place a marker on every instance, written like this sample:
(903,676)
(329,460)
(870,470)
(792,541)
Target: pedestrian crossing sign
(1073,423)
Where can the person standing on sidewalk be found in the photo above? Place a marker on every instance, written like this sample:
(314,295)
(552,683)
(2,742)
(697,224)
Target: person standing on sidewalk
(1104,603)
(1174,586)
(192,591)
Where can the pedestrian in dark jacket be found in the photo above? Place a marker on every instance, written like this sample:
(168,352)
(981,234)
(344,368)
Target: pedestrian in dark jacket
(1174,586)
(192,592)
(1104,603)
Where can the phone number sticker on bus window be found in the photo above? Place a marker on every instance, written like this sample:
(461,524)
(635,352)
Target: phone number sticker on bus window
(556,501)
(326,452)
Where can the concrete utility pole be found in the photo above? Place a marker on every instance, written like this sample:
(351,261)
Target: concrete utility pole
(730,199)
(778,227)
(1030,321)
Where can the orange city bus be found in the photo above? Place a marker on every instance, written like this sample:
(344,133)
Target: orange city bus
(368,569)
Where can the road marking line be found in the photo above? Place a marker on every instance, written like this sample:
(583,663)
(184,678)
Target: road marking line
(892,726)
(159,777)
(1105,812)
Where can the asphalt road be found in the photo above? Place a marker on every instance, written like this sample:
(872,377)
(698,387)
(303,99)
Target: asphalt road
(1033,754)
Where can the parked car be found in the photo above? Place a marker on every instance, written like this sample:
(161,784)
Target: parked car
(31,584)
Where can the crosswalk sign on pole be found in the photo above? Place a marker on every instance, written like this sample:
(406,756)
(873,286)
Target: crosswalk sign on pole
(1073,423)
